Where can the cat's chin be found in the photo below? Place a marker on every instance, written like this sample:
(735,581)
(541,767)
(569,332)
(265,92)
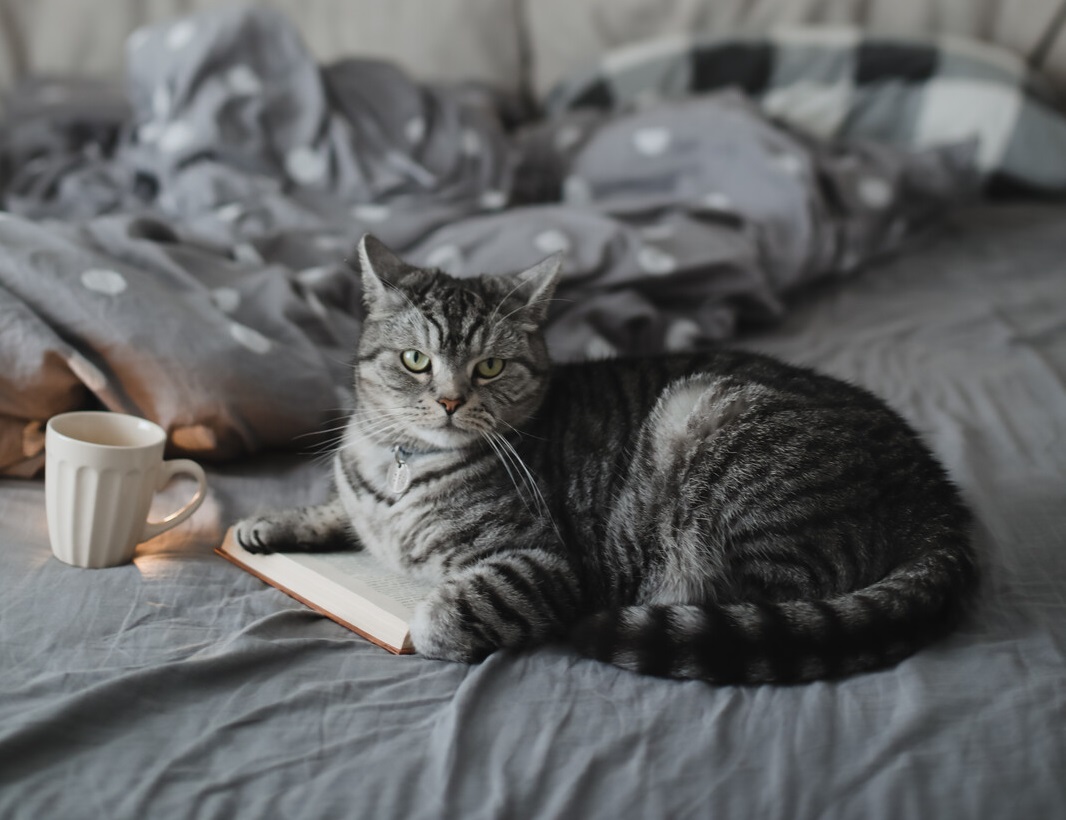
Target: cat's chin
(449,438)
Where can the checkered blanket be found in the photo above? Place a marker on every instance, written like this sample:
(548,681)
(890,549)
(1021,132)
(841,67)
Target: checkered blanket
(842,82)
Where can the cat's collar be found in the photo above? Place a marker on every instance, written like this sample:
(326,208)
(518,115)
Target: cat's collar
(401,453)
(400,476)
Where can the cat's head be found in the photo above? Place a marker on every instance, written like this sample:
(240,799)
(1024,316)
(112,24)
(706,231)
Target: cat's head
(443,361)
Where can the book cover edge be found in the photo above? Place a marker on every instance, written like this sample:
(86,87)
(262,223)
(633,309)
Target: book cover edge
(401,650)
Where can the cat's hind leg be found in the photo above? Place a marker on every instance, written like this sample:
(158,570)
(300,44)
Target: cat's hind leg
(319,528)
(519,598)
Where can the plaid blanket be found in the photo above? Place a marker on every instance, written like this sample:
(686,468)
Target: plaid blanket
(843,82)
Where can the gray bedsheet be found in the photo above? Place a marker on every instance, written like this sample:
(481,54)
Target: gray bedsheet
(180,686)
(182,251)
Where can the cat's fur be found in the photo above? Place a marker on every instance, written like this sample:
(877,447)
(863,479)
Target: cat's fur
(720,516)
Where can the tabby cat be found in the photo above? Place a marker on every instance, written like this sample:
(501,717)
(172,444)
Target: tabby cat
(720,516)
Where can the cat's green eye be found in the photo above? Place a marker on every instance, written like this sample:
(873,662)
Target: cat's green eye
(415,360)
(490,368)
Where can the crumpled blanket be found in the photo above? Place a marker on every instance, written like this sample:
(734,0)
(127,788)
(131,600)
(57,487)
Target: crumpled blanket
(182,249)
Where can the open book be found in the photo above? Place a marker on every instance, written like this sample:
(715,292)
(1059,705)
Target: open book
(352,588)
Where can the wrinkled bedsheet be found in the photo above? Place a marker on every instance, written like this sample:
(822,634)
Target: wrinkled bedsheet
(180,686)
(181,249)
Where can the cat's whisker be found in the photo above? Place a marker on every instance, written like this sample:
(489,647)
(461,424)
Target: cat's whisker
(489,436)
(322,431)
(380,431)
(521,433)
(534,487)
(405,297)
(373,431)
(373,427)
(376,419)
(329,425)
(326,446)
(379,415)
(500,303)
(530,304)
(376,426)
(527,479)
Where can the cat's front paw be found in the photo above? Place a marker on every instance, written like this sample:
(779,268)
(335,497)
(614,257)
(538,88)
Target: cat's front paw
(260,534)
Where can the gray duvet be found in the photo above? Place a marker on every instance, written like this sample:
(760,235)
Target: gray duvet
(179,686)
(181,249)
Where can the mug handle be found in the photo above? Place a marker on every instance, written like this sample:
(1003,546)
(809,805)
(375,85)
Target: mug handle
(169,470)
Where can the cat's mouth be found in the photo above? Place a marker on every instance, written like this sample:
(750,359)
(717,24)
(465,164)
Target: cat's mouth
(453,430)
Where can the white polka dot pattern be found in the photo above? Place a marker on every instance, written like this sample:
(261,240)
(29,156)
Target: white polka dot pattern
(226,299)
(493,200)
(371,212)
(247,253)
(176,137)
(656,261)
(180,35)
(415,130)
(682,334)
(150,132)
(600,348)
(552,240)
(471,142)
(101,280)
(446,257)
(875,192)
(790,164)
(717,201)
(251,339)
(242,80)
(576,190)
(305,165)
(230,212)
(651,142)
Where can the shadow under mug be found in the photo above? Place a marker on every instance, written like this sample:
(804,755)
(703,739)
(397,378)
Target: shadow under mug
(101,470)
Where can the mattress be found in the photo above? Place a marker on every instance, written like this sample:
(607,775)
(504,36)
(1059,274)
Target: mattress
(179,685)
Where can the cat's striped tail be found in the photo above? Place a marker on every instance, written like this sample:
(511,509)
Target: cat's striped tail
(791,641)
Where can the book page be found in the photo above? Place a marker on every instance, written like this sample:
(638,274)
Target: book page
(363,574)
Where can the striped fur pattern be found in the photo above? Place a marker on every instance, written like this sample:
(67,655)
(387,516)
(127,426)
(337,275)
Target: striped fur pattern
(720,516)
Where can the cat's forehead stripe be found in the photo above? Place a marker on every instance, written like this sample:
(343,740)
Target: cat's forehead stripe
(457,312)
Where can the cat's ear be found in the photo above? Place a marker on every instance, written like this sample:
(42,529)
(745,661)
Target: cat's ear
(381,272)
(536,286)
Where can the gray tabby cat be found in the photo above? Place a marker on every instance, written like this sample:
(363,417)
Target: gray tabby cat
(720,516)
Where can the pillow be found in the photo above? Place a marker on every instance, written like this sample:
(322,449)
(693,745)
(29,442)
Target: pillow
(841,82)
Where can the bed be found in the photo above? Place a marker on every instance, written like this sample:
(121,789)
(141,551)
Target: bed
(181,686)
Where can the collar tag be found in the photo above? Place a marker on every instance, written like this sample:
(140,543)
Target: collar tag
(399,477)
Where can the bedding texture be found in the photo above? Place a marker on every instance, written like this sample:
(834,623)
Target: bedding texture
(184,253)
(181,686)
(180,247)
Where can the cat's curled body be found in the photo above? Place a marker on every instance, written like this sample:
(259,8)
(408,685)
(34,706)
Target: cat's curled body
(720,516)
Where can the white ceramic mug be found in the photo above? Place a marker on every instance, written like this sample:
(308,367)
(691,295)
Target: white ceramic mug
(101,470)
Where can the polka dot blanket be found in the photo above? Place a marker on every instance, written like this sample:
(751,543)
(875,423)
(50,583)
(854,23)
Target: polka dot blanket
(182,248)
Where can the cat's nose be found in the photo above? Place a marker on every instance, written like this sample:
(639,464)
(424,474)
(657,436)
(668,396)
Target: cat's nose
(451,405)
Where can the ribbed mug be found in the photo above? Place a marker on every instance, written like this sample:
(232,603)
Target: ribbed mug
(101,470)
